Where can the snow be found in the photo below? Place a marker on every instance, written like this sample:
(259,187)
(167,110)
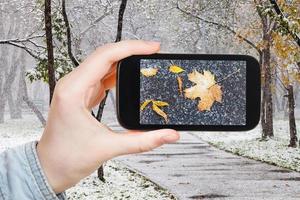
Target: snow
(121,183)
(248,144)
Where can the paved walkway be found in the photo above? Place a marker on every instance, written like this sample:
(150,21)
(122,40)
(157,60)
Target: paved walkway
(192,169)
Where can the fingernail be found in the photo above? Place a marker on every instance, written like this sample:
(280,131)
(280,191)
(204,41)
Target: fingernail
(171,138)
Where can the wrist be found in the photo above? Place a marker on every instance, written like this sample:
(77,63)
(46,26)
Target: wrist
(56,171)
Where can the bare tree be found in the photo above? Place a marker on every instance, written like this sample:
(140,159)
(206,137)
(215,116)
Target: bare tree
(8,75)
(23,95)
(11,77)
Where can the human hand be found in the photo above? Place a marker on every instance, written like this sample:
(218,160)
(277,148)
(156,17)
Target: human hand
(74,144)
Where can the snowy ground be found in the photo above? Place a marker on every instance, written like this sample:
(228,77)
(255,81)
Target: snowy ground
(274,151)
(121,183)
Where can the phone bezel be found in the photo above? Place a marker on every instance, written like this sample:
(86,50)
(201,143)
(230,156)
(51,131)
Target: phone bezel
(128,92)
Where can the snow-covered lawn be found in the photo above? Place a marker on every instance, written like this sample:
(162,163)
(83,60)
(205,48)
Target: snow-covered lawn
(248,144)
(121,183)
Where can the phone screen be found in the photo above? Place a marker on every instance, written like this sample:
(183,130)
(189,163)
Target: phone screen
(192,92)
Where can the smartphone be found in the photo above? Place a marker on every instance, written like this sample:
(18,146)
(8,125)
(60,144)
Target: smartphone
(189,92)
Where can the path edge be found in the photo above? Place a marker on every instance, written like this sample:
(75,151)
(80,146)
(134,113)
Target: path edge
(159,185)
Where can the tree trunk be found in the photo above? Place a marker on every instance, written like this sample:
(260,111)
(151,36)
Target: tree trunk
(11,105)
(263,115)
(21,86)
(120,20)
(102,104)
(267,101)
(100,173)
(292,121)
(6,94)
(68,32)
(50,56)
(101,107)
(35,110)
(20,93)
(268,95)
(29,103)
(3,68)
(15,65)
(263,98)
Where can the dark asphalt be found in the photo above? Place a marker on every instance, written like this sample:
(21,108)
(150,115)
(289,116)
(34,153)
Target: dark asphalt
(164,87)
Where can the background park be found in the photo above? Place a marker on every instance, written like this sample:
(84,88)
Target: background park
(42,40)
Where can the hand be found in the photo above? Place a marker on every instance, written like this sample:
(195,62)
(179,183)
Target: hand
(74,144)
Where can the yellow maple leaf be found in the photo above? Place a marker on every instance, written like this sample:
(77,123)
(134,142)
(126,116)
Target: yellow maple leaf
(205,88)
(175,69)
(149,71)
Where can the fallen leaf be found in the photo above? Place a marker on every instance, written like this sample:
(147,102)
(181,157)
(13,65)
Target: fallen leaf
(175,69)
(144,104)
(217,92)
(205,88)
(149,71)
(160,112)
(160,103)
(179,80)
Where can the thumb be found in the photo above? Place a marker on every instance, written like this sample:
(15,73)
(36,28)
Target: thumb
(138,142)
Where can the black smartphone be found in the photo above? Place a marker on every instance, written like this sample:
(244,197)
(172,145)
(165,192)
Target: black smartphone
(189,92)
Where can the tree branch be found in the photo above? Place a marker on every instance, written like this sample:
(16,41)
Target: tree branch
(100,18)
(26,39)
(220,25)
(17,42)
(69,39)
(120,20)
(282,17)
(28,50)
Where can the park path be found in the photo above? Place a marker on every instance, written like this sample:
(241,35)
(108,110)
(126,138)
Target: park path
(191,169)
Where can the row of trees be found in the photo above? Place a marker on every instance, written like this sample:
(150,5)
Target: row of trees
(55,59)
(273,35)
(59,34)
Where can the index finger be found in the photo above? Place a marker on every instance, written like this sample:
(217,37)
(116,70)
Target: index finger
(97,65)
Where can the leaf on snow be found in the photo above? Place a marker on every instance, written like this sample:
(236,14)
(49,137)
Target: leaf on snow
(160,103)
(149,71)
(179,80)
(144,104)
(175,69)
(160,112)
(205,88)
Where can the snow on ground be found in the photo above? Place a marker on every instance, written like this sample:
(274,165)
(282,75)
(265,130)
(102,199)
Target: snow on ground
(16,132)
(121,183)
(248,144)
